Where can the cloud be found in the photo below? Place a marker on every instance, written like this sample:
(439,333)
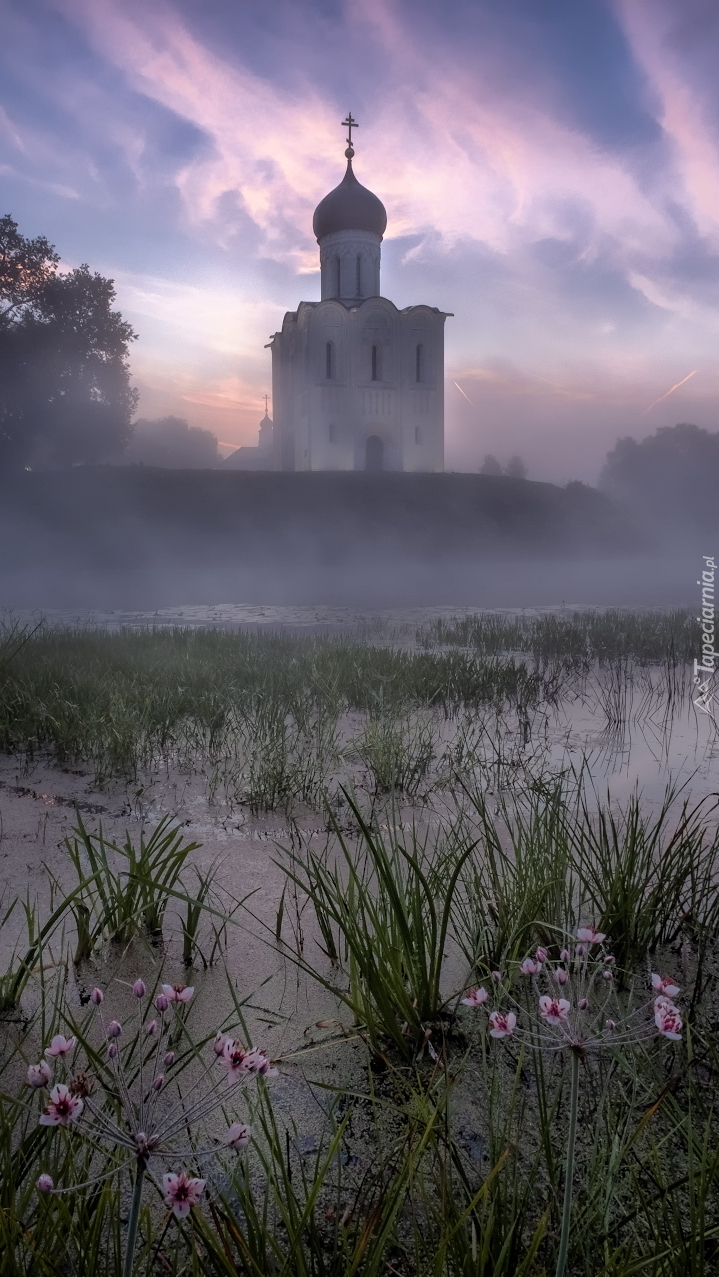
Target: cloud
(447,153)
(687,103)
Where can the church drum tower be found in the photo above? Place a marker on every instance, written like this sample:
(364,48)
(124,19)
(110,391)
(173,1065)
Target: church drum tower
(356,383)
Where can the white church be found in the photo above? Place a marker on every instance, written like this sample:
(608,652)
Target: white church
(356,383)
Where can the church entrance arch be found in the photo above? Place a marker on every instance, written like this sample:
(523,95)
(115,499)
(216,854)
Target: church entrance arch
(374,454)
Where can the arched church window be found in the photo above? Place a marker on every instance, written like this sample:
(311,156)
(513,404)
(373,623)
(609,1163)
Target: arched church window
(358,281)
(419,363)
(329,360)
(375,363)
(338,277)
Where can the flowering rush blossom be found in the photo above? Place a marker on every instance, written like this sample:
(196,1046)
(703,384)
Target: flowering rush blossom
(589,1014)
(143,1111)
(60,1045)
(474,997)
(181,1192)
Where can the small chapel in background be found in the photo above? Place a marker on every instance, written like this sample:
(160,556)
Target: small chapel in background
(356,383)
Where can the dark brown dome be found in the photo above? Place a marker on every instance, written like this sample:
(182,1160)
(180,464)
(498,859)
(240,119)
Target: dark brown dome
(349,207)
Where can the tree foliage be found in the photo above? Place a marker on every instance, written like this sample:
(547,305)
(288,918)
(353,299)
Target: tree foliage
(172,443)
(65,393)
(490,465)
(671,476)
(516,468)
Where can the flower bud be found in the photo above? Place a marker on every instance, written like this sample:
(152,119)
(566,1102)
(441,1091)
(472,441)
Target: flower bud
(581,950)
(158,1082)
(541,954)
(583,1003)
(497,975)
(45,1184)
(238,1136)
(609,959)
(610,1024)
(561,975)
(39,1075)
(168,1059)
(607,975)
(96,997)
(161,1002)
(151,1028)
(564,955)
(112,1050)
(114,1029)
(138,988)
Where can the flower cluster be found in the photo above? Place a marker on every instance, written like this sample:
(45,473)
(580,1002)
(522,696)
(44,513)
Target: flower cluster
(149,1124)
(579,1009)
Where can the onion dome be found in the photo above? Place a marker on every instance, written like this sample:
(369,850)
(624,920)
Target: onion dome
(349,207)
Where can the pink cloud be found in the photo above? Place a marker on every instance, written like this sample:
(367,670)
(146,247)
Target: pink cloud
(445,152)
(683,114)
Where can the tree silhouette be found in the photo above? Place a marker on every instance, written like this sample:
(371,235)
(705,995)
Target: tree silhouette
(65,393)
(516,468)
(490,465)
(172,443)
(671,476)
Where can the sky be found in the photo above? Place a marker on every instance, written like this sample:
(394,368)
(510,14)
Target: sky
(550,170)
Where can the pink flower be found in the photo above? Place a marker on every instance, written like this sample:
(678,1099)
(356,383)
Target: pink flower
(541,955)
(161,1002)
(554,1010)
(45,1184)
(591,935)
(668,1021)
(182,1192)
(580,950)
(60,1045)
(530,967)
(474,998)
(218,1045)
(237,1061)
(497,975)
(258,1062)
(561,975)
(238,1136)
(114,1029)
(502,1026)
(96,997)
(63,1107)
(564,955)
(39,1075)
(138,988)
(665,985)
(177,992)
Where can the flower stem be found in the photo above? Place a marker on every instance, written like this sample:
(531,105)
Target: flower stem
(569,1167)
(133,1221)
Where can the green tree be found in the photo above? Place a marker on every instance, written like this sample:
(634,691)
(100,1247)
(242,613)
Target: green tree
(65,393)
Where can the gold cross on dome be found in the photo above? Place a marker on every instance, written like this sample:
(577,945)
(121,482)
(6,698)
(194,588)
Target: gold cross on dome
(266,401)
(350,124)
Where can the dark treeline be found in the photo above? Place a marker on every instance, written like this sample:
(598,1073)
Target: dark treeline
(65,393)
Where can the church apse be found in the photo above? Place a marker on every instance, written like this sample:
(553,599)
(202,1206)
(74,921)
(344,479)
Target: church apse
(357,383)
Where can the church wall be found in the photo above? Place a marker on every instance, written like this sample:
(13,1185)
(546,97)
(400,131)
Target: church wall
(323,422)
